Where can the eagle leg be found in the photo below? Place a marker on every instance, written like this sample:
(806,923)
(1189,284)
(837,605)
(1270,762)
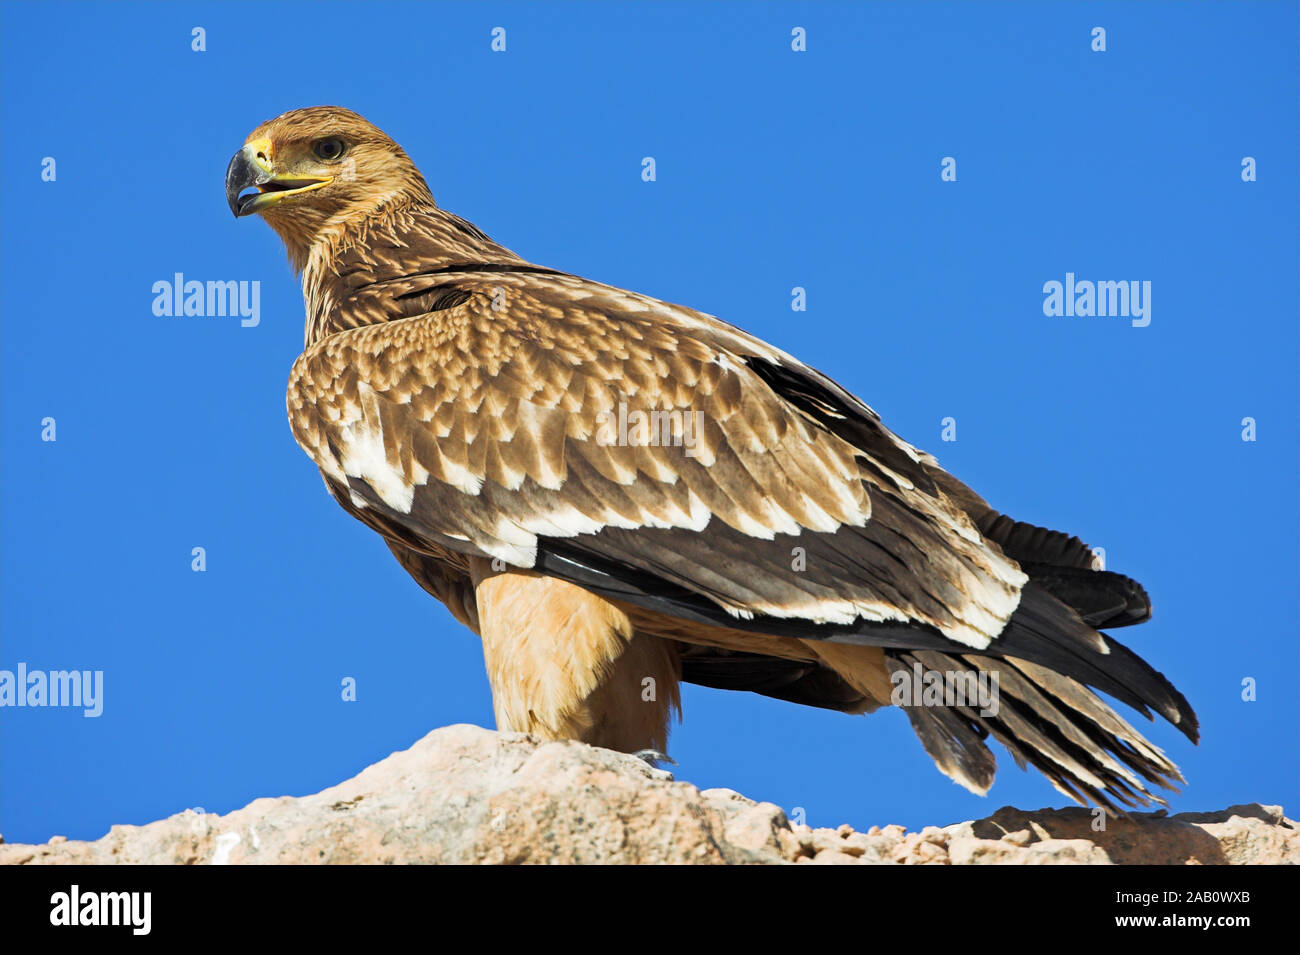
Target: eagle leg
(564,663)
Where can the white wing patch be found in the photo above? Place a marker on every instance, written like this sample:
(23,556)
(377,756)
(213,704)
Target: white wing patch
(363,455)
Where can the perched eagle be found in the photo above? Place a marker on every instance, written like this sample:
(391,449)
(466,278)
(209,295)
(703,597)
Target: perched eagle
(617,494)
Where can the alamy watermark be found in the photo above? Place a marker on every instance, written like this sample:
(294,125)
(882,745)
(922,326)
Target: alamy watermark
(83,688)
(641,429)
(179,298)
(1103,299)
(128,909)
(922,687)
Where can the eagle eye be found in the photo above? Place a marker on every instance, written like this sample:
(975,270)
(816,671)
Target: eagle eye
(328,149)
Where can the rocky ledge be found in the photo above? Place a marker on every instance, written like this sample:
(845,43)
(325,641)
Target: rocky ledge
(469,795)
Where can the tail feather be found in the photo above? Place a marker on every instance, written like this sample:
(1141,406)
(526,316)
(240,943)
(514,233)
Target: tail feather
(1101,598)
(1029,543)
(1067,568)
(955,743)
(1043,719)
(1047,632)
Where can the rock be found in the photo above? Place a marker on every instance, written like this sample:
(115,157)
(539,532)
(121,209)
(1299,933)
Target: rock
(468,795)
(1242,835)
(1021,837)
(833,857)
(969,851)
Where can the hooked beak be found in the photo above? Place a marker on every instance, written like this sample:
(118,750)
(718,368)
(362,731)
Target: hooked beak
(251,168)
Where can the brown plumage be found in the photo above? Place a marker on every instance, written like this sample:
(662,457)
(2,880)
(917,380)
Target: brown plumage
(617,494)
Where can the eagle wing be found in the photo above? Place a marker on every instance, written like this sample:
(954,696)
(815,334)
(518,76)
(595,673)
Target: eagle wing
(540,418)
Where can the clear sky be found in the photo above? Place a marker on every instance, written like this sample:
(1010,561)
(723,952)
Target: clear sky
(775,169)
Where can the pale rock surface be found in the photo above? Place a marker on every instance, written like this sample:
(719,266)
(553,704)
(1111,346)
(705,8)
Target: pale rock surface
(469,795)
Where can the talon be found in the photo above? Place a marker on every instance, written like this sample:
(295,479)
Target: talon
(652,757)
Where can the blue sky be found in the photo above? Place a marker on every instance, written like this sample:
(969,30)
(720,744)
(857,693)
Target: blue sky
(775,169)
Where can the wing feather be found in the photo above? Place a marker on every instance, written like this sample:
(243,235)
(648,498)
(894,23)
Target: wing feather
(594,411)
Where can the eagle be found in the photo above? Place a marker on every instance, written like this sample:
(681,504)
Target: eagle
(618,495)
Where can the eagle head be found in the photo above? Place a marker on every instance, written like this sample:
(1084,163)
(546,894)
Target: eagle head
(317,171)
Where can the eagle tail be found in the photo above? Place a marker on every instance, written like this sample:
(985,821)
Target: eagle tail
(1043,719)
(1047,632)
(1067,568)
